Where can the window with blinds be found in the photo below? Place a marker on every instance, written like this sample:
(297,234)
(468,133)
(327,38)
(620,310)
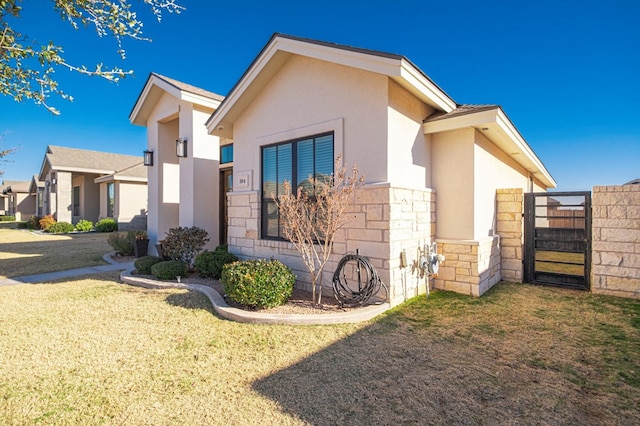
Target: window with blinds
(294,161)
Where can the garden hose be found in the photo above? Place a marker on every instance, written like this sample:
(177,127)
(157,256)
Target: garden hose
(361,286)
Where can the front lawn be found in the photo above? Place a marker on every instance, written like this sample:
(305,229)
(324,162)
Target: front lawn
(94,351)
(25,253)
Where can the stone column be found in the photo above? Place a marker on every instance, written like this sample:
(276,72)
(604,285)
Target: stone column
(509,226)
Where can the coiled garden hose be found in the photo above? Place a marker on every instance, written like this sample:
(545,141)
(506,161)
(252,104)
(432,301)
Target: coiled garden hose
(363,283)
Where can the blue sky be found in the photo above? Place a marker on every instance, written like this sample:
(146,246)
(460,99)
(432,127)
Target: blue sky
(567,73)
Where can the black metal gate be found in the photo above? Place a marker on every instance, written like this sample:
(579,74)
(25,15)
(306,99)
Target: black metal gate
(557,239)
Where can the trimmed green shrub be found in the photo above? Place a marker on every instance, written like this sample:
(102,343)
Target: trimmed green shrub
(7,218)
(61,228)
(121,242)
(143,264)
(258,283)
(23,225)
(46,222)
(209,264)
(34,222)
(84,225)
(106,225)
(169,270)
(184,244)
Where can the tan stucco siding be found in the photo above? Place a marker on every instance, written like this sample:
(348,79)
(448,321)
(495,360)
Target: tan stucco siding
(494,170)
(409,149)
(131,200)
(452,177)
(305,95)
(162,132)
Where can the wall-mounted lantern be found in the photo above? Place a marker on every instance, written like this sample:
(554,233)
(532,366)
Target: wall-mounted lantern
(148,157)
(181,147)
(54,181)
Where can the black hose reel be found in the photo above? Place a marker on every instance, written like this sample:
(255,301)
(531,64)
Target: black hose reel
(356,280)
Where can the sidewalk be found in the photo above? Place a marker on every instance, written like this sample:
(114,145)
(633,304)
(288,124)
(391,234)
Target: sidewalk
(52,276)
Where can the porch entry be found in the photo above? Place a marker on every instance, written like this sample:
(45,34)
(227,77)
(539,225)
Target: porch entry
(226,185)
(557,239)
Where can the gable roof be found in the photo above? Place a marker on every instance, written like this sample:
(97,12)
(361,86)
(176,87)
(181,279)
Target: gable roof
(35,184)
(85,161)
(16,186)
(493,123)
(135,173)
(158,84)
(281,47)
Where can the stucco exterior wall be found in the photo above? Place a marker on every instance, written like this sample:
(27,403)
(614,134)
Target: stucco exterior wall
(23,205)
(314,96)
(131,205)
(162,132)
(199,174)
(63,189)
(616,241)
(408,148)
(494,170)
(453,178)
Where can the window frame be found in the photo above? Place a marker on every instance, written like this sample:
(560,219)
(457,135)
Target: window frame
(266,199)
(111,199)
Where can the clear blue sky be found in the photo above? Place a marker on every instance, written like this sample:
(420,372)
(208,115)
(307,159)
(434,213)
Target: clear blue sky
(567,73)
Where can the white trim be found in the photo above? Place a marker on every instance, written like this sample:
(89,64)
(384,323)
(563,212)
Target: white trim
(336,126)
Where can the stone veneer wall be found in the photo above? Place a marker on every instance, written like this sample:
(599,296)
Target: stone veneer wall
(616,240)
(509,225)
(385,222)
(470,267)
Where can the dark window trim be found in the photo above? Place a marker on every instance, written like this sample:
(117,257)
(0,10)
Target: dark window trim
(294,174)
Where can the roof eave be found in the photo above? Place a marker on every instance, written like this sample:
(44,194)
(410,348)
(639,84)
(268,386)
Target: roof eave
(495,125)
(280,48)
(151,93)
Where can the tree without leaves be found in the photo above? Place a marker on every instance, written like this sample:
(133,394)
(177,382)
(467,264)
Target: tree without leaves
(27,68)
(311,218)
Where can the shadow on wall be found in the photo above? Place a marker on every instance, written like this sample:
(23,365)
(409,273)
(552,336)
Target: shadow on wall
(137,222)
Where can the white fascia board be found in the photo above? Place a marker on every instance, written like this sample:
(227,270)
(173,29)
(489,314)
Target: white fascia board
(502,133)
(431,94)
(522,146)
(116,177)
(82,170)
(199,100)
(400,70)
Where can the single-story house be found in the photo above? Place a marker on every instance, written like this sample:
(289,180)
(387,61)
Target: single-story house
(93,185)
(433,167)
(20,202)
(187,168)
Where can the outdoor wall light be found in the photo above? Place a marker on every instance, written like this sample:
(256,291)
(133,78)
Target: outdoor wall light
(181,147)
(54,181)
(148,157)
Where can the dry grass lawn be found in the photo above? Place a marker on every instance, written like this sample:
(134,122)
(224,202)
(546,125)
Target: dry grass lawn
(94,351)
(25,253)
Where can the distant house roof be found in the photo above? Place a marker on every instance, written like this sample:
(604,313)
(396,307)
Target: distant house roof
(35,184)
(135,173)
(633,182)
(158,84)
(85,161)
(16,186)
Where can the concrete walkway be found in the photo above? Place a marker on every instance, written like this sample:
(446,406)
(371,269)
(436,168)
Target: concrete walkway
(52,276)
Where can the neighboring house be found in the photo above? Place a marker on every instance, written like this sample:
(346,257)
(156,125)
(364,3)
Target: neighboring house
(3,200)
(37,188)
(184,187)
(432,166)
(20,202)
(633,182)
(84,184)
(123,195)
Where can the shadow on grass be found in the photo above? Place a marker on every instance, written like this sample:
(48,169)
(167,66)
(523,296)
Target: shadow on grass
(190,300)
(403,369)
